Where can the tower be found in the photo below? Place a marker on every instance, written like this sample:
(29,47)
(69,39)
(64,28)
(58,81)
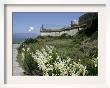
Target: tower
(71,23)
(42,28)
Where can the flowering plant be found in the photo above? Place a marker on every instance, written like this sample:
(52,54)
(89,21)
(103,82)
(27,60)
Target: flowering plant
(48,62)
(53,65)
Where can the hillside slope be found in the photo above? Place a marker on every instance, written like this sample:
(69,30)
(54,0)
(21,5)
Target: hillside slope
(82,48)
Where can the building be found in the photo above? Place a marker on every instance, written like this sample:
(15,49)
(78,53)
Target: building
(72,30)
(85,21)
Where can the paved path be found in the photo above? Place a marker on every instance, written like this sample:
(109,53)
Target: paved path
(17,70)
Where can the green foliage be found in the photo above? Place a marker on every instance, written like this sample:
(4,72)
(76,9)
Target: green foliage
(30,40)
(83,46)
(47,62)
(27,62)
(64,36)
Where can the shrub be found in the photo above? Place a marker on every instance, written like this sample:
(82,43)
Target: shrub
(30,40)
(26,61)
(74,48)
(92,66)
(65,35)
(47,62)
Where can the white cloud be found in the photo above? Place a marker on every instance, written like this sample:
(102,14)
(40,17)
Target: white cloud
(31,28)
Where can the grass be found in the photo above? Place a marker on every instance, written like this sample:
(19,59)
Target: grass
(79,46)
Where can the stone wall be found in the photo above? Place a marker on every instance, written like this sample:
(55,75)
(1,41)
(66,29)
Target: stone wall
(69,32)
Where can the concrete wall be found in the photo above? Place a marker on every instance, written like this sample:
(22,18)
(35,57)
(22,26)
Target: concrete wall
(69,32)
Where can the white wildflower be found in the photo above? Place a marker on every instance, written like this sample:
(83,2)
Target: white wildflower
(79,60)
(68,59)
(23,49)
(23,56)
(28,49)
(44,57)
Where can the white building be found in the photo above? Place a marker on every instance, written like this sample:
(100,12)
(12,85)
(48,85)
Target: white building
(69,30)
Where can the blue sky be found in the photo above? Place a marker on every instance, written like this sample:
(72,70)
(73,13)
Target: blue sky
(30,22)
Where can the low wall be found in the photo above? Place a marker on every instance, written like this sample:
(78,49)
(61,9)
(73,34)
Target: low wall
(69,32)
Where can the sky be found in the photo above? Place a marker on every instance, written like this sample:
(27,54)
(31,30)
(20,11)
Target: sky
(30,22)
